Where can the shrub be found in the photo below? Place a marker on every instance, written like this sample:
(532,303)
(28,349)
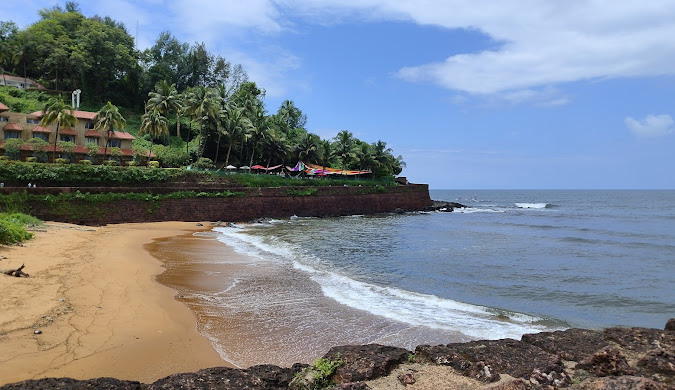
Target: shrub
(4,158)
(85,162)
(12,227)
(153,164)
(31,159)
(204,163)
(61,161)
(13,148)
(111,163)
(132,164)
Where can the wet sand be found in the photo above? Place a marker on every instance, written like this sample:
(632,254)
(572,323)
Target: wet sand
(93,295)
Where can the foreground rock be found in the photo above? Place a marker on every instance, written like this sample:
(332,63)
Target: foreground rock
(616,358)
(437,205)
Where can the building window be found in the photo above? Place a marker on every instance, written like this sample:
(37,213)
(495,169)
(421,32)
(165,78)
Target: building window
(12,134)
(34,121)
(89,125)
(114,143)
(42,136)
(91,140)
(4,119)
(67,138)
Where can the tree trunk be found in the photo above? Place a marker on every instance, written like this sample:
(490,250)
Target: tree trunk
(250,164)
(16,272)
(178,124)
(4,81)
(56,139)
(218,149)
(229,148)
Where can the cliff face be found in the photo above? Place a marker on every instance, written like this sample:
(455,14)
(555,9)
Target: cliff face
(615,358)
(246,205)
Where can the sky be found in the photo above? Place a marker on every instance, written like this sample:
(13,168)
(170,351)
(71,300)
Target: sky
(474,94)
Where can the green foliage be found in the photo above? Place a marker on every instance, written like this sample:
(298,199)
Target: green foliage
(19,100)
(153,164)
(317,376)
(82,174)
(85,162)
(13,148)
(61,161)
(31,159)
(204,163)
(301,191)
(12,227)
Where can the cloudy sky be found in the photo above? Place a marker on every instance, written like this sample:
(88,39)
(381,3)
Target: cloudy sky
(474,94)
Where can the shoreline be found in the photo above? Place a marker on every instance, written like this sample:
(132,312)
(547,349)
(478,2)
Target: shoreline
(93,295)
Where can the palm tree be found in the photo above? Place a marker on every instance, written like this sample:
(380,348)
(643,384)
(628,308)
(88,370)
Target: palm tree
(260,128)
(364,156)
(106,119)
(165,99)
(57,111)
(234,124)
(201,106)
(276,147)
(155,124)
(308,148)
(326,154)
(344,147)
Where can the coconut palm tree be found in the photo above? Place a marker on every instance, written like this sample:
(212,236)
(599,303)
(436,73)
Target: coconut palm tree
(57,111)
(326,154)
(275,147)
(106,119)
(166,99)
(308,148)
(153,123)
(344,147)
(259,130)
(235,124)
(201,104)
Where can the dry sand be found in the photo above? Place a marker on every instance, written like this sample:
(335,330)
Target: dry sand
(93,295)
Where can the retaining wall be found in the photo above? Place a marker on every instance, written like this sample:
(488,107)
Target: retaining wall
(251,204)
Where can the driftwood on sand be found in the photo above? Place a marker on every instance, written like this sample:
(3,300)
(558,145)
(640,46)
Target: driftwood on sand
(18,272)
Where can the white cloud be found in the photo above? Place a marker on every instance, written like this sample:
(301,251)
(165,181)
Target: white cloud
(651,126)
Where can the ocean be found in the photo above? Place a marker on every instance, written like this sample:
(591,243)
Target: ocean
(511,262)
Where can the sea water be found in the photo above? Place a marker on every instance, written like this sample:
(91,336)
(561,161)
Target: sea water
(511,262)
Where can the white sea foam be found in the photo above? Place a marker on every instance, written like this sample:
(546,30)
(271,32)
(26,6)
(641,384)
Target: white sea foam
(422,309)
(392,303)
(531,205)
(470,210)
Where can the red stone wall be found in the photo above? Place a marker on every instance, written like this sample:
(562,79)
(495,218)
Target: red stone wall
(258,203)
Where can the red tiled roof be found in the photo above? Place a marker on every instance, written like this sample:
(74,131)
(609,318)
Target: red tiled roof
(40,129)
(13,126)
(76,113)
(92,133)
(122,135)
(3,108)
(67,131)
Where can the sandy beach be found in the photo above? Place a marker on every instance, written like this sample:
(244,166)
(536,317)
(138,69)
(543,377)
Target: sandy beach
(93,296)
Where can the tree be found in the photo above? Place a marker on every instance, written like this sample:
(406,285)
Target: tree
(234,124)
(13,148)
(68,150)
(165,99)
(106,119)
(275,147)
(38,146)
(292,116)
(344,147)
(57,111)
(201,105)
(308,148)
(326,154)
(260,126)
(154,124)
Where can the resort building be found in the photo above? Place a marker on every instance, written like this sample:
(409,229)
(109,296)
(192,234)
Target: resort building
(27,126)
(19,82)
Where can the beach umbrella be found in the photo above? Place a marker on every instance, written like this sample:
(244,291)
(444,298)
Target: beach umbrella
(230,167)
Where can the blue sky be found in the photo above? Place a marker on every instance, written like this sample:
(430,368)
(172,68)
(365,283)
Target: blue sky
(474,94)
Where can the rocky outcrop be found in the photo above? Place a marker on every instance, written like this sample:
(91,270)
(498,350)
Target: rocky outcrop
(611,359)
(448,207)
